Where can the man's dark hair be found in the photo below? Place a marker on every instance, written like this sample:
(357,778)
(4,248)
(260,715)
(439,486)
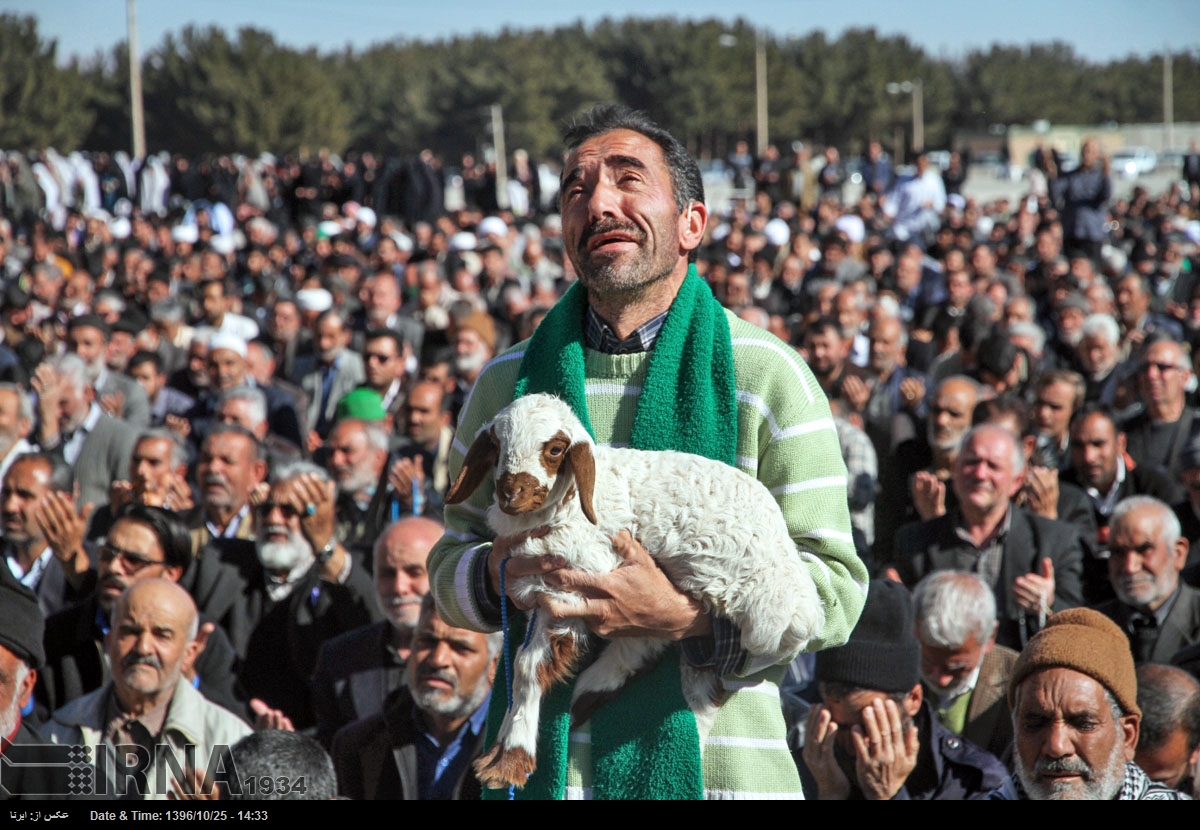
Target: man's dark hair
(275,754)
(388,334)
(1169,700)
(1088,410)
(686,184)
(994,409)
(824,324)
(170,531)
(146,357)
(258,453)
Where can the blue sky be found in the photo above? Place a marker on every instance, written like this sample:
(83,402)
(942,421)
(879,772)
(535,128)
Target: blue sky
(1100,30)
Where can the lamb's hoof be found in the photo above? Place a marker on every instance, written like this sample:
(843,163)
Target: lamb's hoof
(497,769)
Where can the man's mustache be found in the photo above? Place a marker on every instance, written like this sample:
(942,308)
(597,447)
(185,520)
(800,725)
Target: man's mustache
(608,226)
(141,660)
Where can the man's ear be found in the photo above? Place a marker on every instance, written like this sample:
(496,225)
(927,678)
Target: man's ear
(1121,443)
(260,471)
(912,701)
(26,689)
(692,222)
(1130,724)
(1181,552)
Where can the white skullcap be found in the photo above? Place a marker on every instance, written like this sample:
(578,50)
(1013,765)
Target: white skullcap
(853,227)
(120,228)
(463,241)
(777,232)
(222,244)
(225,340)
(492,226)
(314,299)
(185,233)
(367,217)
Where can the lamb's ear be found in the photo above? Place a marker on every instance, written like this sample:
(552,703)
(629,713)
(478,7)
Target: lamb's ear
(583,465)
(476,466)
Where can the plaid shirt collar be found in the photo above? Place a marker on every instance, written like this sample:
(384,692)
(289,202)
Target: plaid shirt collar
(599,335)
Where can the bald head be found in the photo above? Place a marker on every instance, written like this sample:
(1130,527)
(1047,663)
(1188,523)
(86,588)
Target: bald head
(1169,738)
(152,639)
(950,412)
(401,579)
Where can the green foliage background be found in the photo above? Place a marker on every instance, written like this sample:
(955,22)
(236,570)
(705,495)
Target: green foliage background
(207,91)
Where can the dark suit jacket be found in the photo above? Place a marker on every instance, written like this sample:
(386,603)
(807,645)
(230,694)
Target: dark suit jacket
(38,771)
(355,673)
(277,641)
(1137,437)
(309,375)
(924,547)
(1180,629)
(53,591)
(75,662)
(282,418)
(376,758)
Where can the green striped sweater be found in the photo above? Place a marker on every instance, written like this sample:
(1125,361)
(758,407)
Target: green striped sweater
(787,439)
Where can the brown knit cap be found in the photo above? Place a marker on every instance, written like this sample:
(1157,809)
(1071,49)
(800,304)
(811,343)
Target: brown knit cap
(1088,642)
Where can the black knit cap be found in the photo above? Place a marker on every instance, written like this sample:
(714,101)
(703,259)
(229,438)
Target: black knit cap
(22,625)
(883,653)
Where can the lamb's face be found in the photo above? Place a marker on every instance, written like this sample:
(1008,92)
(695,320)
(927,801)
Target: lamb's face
(533,442)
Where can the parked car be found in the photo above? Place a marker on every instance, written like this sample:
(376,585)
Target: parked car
(1134,161)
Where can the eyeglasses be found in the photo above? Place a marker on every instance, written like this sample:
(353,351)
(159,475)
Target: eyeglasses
(377,357)
(130,561)
(1162,368)
(288,511)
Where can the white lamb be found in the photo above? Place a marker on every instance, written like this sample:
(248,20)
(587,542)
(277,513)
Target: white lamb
(716,532)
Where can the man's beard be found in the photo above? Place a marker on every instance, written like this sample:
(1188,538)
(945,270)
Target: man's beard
(10,717)
(395,611)
(946,444)
(1096,785)
(283,556)
(1141,590)
(466,364)
(452,704)
(629,273)
(357,482)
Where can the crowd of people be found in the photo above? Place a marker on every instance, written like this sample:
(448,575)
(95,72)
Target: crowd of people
(229,395)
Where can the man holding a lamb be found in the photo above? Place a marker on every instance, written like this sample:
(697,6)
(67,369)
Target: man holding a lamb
(646,358)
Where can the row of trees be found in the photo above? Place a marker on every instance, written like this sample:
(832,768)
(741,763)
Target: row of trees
(208,92)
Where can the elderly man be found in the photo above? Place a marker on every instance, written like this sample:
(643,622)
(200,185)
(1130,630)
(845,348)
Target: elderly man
(965,673)
(230,467)
(44,532)
(1075,714)
(16,422)
(1168,747)
(73,426)
(329,373)
(892,398)
(30,770)
(357,671)
(298,588)
(357,453)
(1032,564)
(226,367)
(633,216)
(1100,358)
(421,746)
(149,708)
(120,395)
(1158,612)
(919,472)
(246,406)
(144,543)
(1158,435)
(873,736)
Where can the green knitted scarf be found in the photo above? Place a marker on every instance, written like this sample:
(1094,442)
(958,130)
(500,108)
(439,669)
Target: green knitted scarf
(644,744)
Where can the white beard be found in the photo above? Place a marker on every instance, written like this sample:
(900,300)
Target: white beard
(284,556)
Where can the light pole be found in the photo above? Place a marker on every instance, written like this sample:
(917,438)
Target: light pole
(917,89)
(762,137)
